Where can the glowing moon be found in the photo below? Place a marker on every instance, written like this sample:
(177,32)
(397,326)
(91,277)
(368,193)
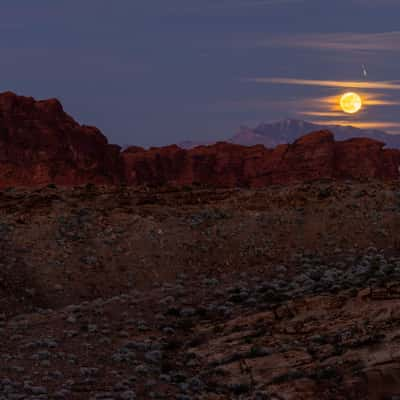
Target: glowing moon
(351,103)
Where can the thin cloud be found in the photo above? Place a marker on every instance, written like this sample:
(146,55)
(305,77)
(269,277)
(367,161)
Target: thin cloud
(368,99)
(324,114)
(327,106)
(382,103)
(389,85)
(350,41)
(360,124)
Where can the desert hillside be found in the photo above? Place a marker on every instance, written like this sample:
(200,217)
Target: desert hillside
(289,292)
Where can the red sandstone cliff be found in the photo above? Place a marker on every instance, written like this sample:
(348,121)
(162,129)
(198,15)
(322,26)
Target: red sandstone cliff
(313,156)
(40,143)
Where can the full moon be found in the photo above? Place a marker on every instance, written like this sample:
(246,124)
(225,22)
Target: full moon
(351,103)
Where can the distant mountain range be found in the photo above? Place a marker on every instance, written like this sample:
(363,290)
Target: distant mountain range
(287,131)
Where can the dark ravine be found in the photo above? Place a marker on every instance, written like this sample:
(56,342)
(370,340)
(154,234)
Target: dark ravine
(41,144)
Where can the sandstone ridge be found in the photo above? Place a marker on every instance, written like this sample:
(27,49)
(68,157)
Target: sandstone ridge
(313,156)
(41,144)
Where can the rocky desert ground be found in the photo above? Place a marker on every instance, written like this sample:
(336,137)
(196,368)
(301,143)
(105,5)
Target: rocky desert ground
(283,293)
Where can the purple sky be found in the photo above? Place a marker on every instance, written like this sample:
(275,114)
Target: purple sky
(153,72)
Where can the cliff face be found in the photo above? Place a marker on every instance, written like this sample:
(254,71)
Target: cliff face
(40,144)
(313,156)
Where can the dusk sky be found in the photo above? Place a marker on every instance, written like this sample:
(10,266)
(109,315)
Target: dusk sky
(154,72)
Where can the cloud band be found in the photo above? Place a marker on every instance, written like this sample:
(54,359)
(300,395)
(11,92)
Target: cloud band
(388,85)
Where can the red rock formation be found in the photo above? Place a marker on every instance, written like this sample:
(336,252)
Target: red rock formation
(40,143)
(362,157)
(314,156)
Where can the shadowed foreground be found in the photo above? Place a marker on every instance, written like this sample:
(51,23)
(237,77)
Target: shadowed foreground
(130,293)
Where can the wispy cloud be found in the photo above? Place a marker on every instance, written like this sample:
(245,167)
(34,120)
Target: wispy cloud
(361,124)
(368,100)
(324,114)
(327,106)
(388,85)
(346,41)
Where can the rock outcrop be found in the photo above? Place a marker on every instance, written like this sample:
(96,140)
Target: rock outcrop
(313,156)
(41,144)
